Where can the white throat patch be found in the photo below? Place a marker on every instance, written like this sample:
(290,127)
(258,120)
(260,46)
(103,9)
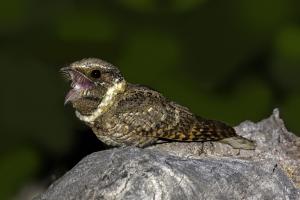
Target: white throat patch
(105,104)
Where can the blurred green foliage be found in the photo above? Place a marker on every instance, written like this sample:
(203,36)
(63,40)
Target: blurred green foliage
(227,60)
(17,167)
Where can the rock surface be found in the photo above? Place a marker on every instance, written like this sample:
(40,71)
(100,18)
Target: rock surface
(191,170)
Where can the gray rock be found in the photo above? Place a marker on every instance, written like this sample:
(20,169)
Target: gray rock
(191,170)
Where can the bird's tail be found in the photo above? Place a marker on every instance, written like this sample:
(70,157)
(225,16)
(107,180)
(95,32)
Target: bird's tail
(224,133)
(239,142)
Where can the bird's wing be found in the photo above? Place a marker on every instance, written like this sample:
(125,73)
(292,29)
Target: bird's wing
(148,114)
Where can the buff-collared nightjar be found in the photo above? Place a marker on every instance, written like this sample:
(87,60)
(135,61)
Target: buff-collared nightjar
(125,114)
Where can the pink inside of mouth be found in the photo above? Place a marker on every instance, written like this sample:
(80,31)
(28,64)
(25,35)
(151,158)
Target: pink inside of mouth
(79,84)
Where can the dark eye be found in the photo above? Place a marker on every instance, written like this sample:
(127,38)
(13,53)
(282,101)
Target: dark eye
(95,73)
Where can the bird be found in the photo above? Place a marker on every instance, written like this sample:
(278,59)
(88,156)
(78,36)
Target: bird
(124,114)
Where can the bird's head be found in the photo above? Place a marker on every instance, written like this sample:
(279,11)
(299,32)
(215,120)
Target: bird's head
(91,80)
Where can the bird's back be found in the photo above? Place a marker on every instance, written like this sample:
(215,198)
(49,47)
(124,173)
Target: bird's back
(148,115)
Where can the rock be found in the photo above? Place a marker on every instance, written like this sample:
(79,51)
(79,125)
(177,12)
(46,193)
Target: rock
(208,170)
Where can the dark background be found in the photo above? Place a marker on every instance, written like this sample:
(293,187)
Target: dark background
(226,60)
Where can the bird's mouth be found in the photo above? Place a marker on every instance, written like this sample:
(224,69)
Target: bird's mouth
(80,84)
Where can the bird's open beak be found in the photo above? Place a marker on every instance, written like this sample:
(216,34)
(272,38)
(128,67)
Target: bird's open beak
(79,83)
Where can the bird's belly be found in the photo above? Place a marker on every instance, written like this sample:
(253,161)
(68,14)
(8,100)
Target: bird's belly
(122,136)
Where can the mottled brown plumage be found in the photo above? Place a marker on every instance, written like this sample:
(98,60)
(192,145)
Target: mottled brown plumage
(124,114)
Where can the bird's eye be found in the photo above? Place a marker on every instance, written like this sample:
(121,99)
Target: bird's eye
(95,73)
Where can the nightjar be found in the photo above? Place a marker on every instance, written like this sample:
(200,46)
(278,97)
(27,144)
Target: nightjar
(125,114)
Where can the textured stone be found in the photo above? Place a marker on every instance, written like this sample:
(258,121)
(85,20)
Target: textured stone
(208,170)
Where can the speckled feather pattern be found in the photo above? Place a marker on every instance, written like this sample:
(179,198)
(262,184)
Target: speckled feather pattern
(141,116)
(124,114)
